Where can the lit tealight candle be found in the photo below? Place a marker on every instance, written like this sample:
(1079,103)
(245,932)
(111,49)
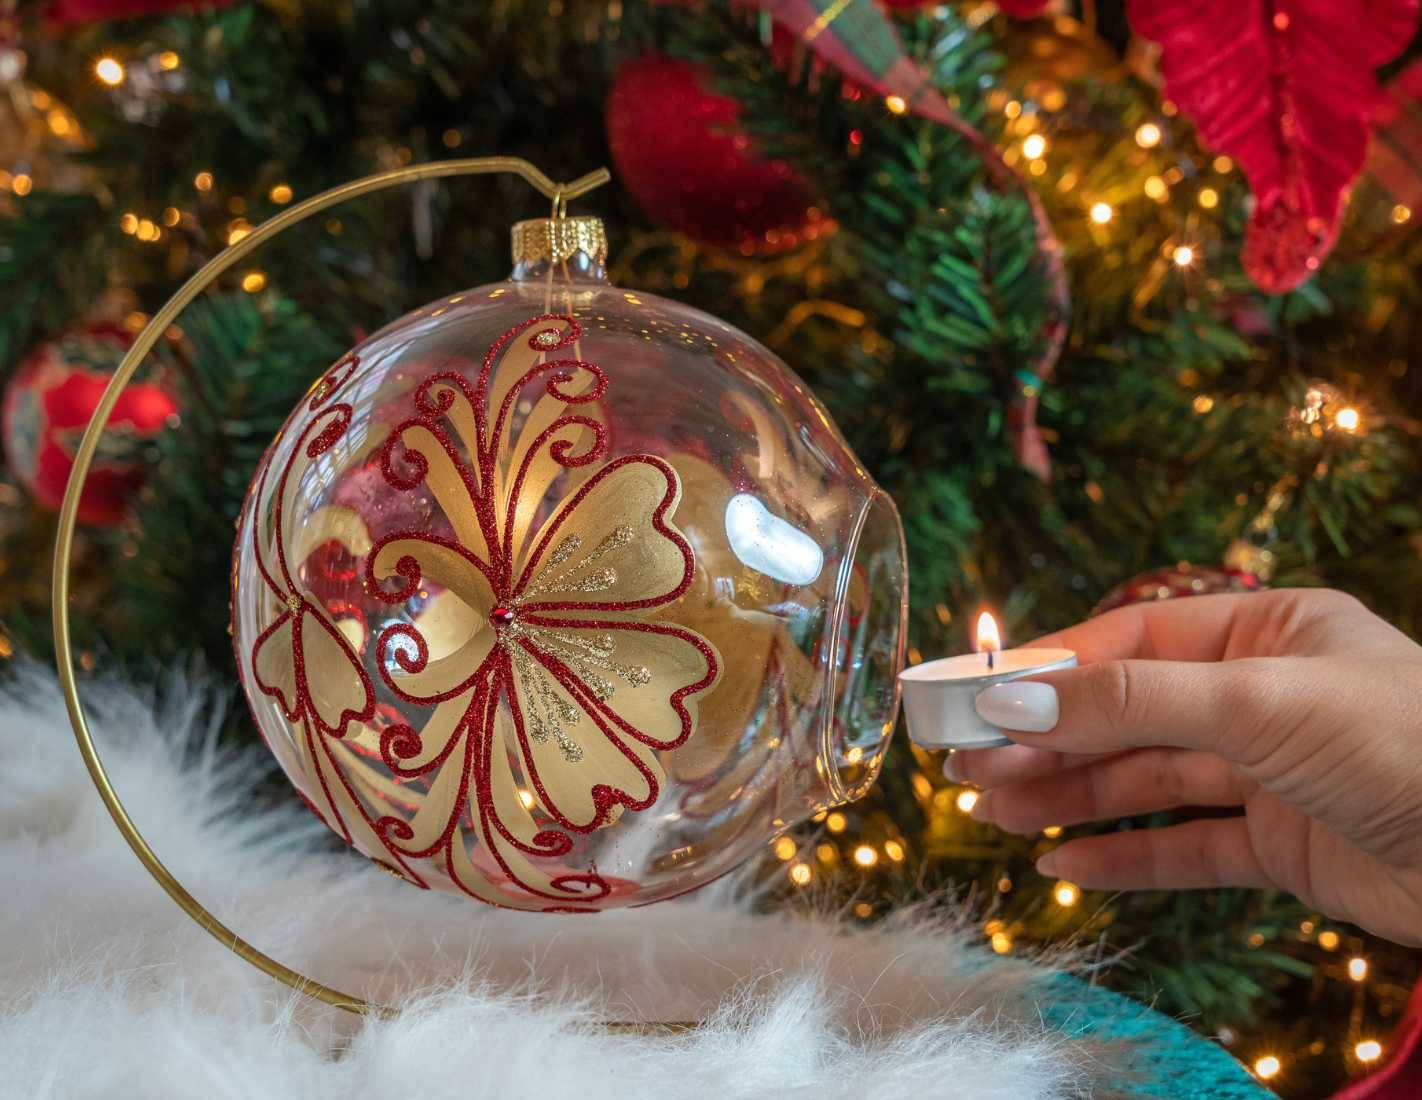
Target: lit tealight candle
(939,695)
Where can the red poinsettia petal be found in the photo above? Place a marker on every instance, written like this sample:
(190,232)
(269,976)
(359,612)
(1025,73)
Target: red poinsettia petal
(1286,88)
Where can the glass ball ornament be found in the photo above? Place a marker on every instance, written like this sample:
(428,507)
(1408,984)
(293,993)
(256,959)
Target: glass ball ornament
(567,597)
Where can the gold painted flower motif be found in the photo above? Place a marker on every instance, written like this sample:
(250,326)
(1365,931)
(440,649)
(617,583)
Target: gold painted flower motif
(546,683)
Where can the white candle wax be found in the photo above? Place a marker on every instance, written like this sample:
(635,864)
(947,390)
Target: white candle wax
(939,695)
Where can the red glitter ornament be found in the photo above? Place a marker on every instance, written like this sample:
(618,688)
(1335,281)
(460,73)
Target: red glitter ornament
(48,404)
(95,11)
(501,616)
(681,151)
(1178,581)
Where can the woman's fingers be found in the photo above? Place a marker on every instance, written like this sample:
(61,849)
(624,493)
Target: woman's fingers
(1137,782)
(1196,855)
(1233,708)
(1197,629)
(1010,764)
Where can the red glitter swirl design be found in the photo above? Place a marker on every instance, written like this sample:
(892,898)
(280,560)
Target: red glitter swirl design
(546,706)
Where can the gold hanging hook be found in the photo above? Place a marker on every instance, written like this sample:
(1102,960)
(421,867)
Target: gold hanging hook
(228,258)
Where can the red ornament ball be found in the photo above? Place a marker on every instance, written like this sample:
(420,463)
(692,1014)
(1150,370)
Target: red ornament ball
(683,154)
(97,11)
(1176,581)
(48,404)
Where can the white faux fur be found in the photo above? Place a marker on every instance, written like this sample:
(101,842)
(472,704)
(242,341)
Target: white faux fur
(107,990)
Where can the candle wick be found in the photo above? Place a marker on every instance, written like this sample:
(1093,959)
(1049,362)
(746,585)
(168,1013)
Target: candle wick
(990,661)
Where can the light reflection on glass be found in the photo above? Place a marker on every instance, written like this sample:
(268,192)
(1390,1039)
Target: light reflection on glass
(769,544)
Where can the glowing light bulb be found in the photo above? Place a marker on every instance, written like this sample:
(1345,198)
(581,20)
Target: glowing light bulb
(1183,256)
(254,281)
(168,60)
(129,223)
(894,850)
(865,856)
(836,822)
(967,800)
(22,185)
(1369,1050)
(1034,146)
(1348,419)
(896,104)
(1001,942)
(1147,135)
(1223,164)
(1401,213)
(785,848)
(1203,403)
(1267,1067)
(801,874)
(524,796)
(1209,198)
(203,181)
(109,71)
(1328,940)
(1051,832)
(1101,213)
(1357,969)
(1156,188)
(1066,894)
(280,194)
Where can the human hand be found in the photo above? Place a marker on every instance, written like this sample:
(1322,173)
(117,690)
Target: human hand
(1298,707)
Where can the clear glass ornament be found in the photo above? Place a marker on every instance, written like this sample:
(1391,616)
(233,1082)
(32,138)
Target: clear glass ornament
(567,597)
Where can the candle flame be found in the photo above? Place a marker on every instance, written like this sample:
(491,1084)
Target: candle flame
(989,640)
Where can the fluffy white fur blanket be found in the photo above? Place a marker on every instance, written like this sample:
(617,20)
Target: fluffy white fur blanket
(107,990)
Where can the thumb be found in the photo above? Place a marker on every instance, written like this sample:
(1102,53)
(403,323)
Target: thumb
(1226,707)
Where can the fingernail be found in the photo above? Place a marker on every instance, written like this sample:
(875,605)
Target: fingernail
(953,768)
(1047,865)
(1020,705)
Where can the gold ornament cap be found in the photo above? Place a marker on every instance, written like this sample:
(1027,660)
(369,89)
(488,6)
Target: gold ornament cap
(554,240)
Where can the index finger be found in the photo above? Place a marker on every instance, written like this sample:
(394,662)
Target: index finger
(1194,628)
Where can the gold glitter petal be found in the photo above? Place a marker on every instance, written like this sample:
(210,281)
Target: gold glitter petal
(609,760)
(630,560)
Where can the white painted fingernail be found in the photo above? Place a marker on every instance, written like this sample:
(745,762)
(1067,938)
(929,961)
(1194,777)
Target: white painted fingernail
(1020,705)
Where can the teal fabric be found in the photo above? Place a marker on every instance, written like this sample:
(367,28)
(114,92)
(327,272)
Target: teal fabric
(1162,1058)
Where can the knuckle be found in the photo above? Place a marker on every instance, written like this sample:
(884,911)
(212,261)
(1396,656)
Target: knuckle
(1334,601)
(1166,780)
(1115,692)
(1254,709)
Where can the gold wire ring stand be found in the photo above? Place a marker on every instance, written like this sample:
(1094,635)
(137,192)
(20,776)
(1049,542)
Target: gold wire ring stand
(560,194)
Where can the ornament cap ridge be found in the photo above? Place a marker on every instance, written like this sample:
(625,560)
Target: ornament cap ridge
(554,240)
